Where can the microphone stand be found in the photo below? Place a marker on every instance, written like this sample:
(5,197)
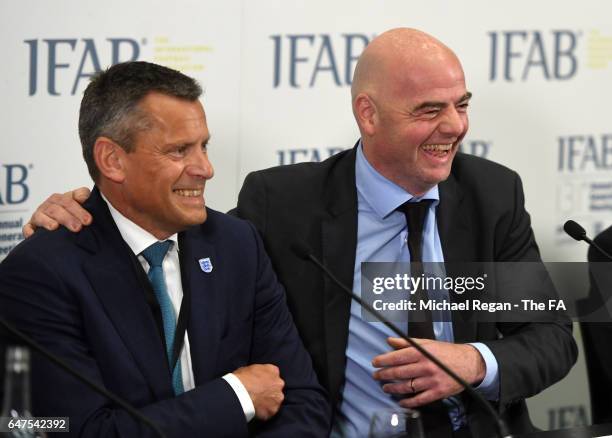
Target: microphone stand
(91,384)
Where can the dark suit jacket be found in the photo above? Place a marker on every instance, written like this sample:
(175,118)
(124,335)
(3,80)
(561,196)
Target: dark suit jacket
(597,336)
(80,296)
(481,217)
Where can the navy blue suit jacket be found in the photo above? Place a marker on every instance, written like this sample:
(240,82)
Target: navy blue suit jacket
(80,296)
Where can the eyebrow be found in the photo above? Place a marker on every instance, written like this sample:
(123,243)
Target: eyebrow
(173,144)
(434,104)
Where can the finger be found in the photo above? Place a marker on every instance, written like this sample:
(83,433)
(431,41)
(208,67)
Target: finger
(263,415)
(57,213)
(410,386)
(28,229)
(397,357)
(398,343)
(49,214)
(398,372)
(273,369)
(71,201)
(79,213)
(275,407)
(402,387)
(41,220)
(420,399)
(81,194)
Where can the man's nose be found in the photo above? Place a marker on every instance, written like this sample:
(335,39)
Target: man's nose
(199,165)
(454,122)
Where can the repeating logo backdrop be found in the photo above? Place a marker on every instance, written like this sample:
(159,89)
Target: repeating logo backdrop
(277,78)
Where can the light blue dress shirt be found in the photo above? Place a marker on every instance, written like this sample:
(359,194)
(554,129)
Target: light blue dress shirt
(381,237)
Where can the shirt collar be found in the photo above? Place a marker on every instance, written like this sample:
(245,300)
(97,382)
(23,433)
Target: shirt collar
(383,195)
(137,238)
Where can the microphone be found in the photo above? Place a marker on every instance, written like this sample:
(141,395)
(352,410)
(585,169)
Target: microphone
(305,253)
(575,231)
(19,335)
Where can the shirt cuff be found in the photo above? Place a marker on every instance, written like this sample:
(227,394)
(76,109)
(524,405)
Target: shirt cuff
(489,387)
(242,394)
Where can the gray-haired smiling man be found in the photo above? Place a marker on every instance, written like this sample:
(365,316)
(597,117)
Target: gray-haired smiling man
(168,303)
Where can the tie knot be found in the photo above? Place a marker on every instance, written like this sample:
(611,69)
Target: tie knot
(155,253)
(415,213)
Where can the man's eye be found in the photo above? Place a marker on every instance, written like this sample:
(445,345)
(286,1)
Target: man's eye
(431,113)
(462,107)
(179,152)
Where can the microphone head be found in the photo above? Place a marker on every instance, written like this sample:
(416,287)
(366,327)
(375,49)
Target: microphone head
(301,249)
(574,230)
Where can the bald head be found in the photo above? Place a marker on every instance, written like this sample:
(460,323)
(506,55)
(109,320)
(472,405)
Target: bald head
(410,103)
(394,56)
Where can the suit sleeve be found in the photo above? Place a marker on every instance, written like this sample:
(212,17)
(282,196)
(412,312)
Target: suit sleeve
(532,355)
(253,202)
(305,412)
(40,302)
(596,335)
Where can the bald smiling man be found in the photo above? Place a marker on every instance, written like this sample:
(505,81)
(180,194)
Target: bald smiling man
(410,102)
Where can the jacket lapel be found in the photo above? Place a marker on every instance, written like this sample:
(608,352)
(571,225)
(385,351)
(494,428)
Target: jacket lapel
(115,282)
(204,328)
(339,243)
(456,238)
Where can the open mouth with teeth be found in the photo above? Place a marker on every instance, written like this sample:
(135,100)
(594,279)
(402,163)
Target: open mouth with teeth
(189,193)
(437,150)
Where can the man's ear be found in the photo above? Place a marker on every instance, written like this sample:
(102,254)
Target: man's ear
(366,113)
(109,157)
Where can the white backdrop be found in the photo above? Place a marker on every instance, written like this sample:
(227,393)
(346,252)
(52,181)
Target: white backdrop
(277,76)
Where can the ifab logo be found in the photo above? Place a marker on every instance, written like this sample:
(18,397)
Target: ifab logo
(585,153)
(305,60)
(584,163)
(301,155)
(14,186)
(520,55)
(60,66)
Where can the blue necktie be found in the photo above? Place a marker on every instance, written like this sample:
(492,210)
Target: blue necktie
(154,255)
